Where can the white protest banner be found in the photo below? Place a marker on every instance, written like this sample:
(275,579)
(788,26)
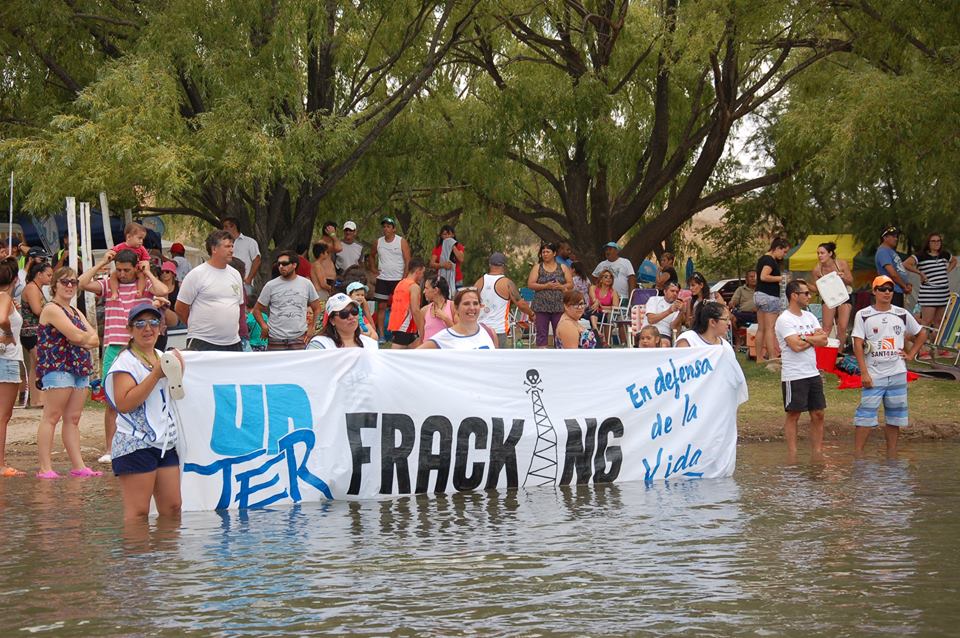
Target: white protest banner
(357,423)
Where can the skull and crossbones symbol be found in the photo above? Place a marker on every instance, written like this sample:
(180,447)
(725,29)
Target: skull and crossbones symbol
(533,381)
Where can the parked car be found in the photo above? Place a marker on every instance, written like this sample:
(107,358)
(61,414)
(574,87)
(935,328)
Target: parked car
(726,288)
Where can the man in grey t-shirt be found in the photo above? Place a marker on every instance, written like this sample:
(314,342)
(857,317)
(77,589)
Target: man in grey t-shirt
(286,299)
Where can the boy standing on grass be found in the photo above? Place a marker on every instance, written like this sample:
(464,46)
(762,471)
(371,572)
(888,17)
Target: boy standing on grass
(878,343)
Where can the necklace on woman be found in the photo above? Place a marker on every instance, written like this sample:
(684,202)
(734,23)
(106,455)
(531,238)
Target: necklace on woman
(144,359)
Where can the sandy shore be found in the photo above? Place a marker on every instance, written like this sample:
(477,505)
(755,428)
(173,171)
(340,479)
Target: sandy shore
(753,427)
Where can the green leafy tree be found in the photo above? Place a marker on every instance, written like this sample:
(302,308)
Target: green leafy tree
(595,121)
(251,108)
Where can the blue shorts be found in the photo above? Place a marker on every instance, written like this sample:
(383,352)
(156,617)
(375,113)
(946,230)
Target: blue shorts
(892,392)
(143,461)
(59,379)
(10,371)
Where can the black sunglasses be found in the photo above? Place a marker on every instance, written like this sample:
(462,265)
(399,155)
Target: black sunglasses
(883,289)
(352,311)
(284,263)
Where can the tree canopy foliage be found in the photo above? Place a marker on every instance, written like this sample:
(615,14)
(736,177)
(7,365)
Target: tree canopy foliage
(585,120)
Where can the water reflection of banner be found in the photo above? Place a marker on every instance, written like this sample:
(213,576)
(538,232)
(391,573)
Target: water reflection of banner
(285,427)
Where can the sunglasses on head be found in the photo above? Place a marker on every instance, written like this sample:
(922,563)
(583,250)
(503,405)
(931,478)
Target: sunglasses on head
(69,282)
(352,311)
(140,324)
(884,289)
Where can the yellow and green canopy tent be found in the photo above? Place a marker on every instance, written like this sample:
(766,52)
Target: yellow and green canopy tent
(803,257)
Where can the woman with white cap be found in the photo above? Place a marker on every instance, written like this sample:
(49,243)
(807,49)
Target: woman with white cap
(343,326)
(139,385)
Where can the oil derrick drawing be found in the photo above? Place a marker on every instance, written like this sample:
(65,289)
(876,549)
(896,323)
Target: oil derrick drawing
(543,465)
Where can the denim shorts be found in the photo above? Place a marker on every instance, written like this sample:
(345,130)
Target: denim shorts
(10,371)
(767,303)
(60,379)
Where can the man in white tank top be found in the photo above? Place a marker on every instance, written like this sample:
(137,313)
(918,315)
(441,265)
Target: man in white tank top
(389,257)
(496,292)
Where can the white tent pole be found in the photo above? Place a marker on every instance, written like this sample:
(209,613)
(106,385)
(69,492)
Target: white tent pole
(10,228)
(72,231)
(105,213)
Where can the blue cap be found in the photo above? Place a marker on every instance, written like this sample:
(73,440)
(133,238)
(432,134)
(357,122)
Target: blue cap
(144,306)
(612,244)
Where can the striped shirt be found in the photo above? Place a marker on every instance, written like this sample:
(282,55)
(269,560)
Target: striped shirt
(115,312)
(936,290)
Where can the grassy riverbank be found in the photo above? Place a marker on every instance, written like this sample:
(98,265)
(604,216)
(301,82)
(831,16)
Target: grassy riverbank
(934,405)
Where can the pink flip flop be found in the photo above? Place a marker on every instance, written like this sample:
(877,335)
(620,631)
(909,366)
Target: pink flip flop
(50,474)
(85,473)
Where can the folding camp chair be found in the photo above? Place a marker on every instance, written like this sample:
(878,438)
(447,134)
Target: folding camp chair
(523,332)
(639,297)
(947,338)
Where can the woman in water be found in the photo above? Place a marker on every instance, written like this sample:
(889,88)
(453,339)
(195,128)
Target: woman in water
(143,452)
(467,333)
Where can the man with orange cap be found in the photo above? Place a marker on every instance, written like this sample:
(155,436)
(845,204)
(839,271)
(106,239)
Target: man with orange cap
(878,335)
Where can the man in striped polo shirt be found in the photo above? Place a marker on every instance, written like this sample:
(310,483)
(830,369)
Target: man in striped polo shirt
(115,334)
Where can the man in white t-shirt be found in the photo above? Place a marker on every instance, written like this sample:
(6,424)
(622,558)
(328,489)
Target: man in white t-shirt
(210,297)
(878,343)
(798,333)
(624,276)
(351,252)
(664,313)
(246,249)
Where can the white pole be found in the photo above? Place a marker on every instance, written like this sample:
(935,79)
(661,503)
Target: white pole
(127,215)
(72,231)
(105,213)
(10,228)
(90,300)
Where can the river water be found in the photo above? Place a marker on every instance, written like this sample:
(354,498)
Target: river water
(842,548)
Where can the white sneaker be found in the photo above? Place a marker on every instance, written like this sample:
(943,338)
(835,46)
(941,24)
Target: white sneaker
(104,459)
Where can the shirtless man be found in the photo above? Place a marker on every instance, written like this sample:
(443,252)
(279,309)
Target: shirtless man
(323,274)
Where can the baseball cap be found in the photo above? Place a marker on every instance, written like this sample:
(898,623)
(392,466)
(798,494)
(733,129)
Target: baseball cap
(177,248)
(356,285)
(497,259)
(388,220)
(140,308)
(880,280)
(36,251)
(889,230)
(612,244)
(169,266)
(338,302)
(349,225)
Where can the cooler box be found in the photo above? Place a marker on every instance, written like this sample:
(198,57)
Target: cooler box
(752,340)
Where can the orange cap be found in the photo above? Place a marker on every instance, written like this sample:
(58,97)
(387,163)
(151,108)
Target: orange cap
(882,279)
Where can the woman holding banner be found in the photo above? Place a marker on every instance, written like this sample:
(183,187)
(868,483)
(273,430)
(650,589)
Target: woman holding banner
(467,333)
(143,450)
(710,325)
(343,326)
(64,341)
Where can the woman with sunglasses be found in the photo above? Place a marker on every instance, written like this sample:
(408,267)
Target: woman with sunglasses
(143,452)
(11,356)
(468,333)
(933,263)
(571,334)
(32,302)
(64,341)
(343,326)
(710,326)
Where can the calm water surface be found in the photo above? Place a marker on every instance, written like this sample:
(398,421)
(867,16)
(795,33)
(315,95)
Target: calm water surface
(843,549)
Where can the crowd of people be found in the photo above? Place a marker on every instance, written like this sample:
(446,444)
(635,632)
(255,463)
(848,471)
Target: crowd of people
(350,297)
